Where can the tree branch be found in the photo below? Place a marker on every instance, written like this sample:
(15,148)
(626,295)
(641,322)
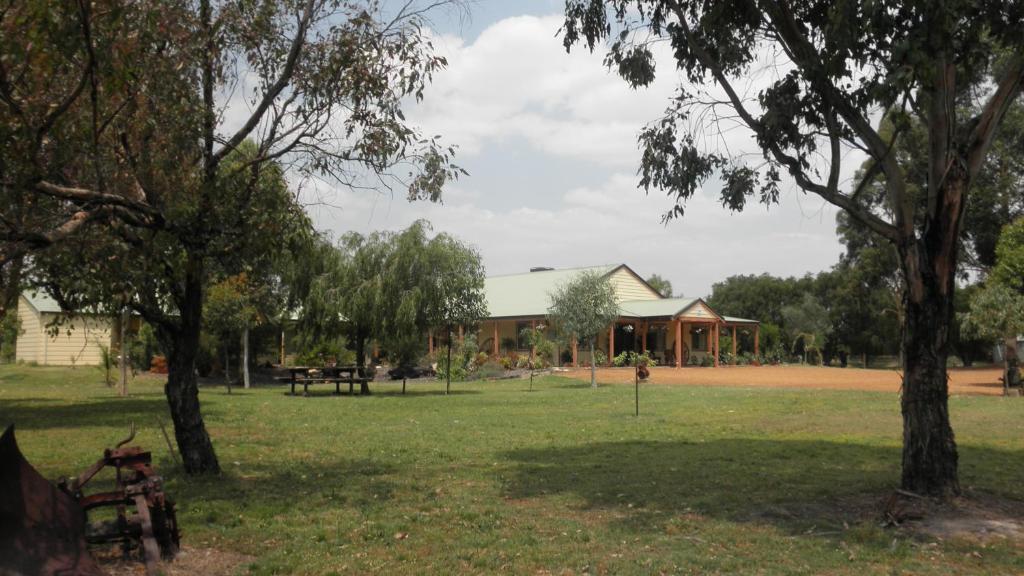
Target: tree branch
(89,196)
(275,89)
(832,195)
(986,123)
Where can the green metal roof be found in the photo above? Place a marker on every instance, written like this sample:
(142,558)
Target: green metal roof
(669,307)
(516,295)
(735,320)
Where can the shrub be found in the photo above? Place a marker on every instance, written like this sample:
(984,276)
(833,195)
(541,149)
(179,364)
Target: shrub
(706,361)
(458,368)
(600,358)
(107,364)
(630,358)
(142,347)
(490,369)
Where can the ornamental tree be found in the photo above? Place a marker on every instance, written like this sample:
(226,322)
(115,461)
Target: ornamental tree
(582,308)
(836,65)
(456,295)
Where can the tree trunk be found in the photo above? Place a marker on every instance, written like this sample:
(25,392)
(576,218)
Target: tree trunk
(10,281)
(929,449)
(361,334)
(181,341)
(593,369)
(245,357)
(448,372)
(124,351)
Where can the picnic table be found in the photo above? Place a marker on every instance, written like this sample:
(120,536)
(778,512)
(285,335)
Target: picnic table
(337,375)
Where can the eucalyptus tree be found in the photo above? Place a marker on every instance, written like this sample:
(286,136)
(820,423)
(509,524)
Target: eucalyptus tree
(317,86)
(837,65)
(582,308)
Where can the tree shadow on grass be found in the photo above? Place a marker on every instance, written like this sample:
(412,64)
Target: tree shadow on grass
(35,414)
(796,485)
(277,488)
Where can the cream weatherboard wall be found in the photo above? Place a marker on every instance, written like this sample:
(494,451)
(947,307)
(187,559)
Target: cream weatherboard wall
(629,287)
(699,311)
(77,343)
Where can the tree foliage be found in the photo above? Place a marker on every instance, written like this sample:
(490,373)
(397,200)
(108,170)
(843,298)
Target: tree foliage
(1009,265)
(809,322)
(661,285)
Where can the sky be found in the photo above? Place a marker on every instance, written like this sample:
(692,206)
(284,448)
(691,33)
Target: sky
(549,141)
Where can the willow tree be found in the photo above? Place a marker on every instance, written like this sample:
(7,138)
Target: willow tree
(344,293)
(431,282)
(163,93)
(825,69)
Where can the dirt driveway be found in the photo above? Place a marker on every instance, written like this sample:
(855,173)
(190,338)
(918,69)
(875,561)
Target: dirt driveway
(962,380)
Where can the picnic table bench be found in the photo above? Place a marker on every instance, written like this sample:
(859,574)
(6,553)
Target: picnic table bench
(327,375)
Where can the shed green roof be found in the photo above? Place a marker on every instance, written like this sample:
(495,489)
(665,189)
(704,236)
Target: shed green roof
(517,295)
(42,302)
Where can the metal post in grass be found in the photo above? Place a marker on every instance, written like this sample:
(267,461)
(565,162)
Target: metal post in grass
(636,381)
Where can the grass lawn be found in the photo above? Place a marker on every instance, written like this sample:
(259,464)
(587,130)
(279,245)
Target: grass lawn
(559,480)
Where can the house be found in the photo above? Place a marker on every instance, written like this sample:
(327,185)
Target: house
(78,341)
(674,330)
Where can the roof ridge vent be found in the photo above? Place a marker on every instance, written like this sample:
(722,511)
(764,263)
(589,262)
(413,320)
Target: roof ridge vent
(541,269)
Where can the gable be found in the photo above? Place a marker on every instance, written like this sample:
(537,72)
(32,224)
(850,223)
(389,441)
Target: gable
(699,311)
(629,286)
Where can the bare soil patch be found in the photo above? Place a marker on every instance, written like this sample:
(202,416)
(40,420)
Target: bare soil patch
(962,380)
(188,562)
(980,518)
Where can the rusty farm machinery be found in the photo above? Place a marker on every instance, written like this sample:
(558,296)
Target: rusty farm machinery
(47,529)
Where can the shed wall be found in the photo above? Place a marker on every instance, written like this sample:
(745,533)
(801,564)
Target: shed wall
(29,345)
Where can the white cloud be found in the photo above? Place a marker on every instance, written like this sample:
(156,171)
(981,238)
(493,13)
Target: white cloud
(516,80)
(515,86)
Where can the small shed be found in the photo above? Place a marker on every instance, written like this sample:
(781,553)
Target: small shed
(78,341)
